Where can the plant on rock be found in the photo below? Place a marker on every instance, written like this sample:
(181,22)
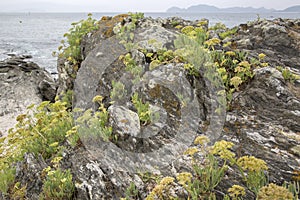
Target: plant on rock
(40,131)
(58,185)
(70,49)
(274,192)
(143,109)
(93,125)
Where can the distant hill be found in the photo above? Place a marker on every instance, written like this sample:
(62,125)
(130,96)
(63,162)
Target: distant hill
(202,8)
(292,9)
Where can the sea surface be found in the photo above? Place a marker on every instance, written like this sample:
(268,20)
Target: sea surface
(39,34)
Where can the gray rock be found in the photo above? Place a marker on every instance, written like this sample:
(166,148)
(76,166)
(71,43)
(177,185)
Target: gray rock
(22,83)
(272,38)
(263,122)
(124,120)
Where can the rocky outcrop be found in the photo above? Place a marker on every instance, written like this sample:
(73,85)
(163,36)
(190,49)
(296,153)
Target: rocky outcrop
(263,119)
(22,83)
(278,39)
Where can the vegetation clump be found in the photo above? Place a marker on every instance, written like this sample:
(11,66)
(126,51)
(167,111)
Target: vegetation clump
(143,109)
(41,131)
(45,129)
(70,49)
(209,170)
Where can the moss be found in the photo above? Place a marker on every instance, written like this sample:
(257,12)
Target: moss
(107,24)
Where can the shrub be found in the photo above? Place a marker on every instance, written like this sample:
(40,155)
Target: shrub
(41,130)
(58,185)
(70,49)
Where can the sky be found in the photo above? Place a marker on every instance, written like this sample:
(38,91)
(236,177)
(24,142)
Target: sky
(131,5)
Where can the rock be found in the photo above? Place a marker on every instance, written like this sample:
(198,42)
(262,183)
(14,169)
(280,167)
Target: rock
(272,38)
(264,124)
(124,121)
(22,83)
(143,147)
(263,120)
(66,71)
(30,171)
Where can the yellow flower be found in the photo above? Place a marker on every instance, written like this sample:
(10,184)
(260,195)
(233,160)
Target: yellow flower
(221,148)
(235,191)
(186,30)
(202,23)
(47,169)
(50,173)
(264,64)
(230,53)
(261,56)
(252,164)
(222,70)
(150,196)
(199,30)
(63,180)
(245,64)
(184,178)
(159,189)
(191,151)
(239,69)
(227,44)
(212,42)
(56,160)
(166,180)
(201,140)
(98,99)
(273,191)
(73,131)
(236,81)
(178,27)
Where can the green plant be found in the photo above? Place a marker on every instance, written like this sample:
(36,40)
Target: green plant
(195,33)
(194,56)
(40,131)
(162,190)
(236,192)
(207,178)
(58,185)
(131,66)
(218,26)
(208,171)
(143,109)
(125,32)
(162,56)
(234,69)
(288,75)
(19,192)
(293,187)
(198,61)
(7,177)
(274,192)
(67,98)
(255,178)
(71,48)
(228,33)
(93,125)
(136,16)
(118,91)
(131,192)
(149,177)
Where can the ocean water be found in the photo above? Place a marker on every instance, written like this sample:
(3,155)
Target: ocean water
(39,34)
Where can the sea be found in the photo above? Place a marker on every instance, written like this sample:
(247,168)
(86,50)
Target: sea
(39,34)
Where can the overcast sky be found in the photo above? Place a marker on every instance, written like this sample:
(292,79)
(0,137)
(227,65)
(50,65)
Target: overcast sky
(131,5)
